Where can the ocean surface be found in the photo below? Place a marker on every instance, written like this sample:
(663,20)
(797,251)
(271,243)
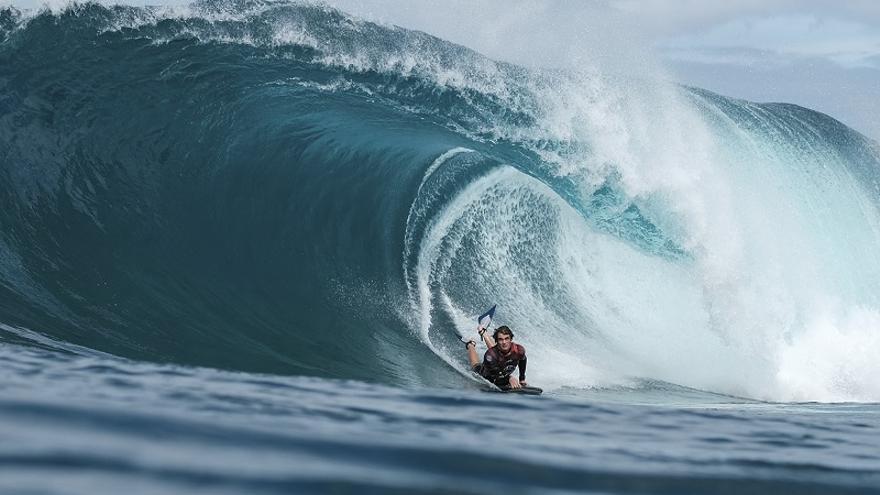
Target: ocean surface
(237,241)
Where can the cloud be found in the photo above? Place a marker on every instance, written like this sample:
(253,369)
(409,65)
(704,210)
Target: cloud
(673,17)
(848,43)
(735,56)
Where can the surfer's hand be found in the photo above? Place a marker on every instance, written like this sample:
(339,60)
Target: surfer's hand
(514,383)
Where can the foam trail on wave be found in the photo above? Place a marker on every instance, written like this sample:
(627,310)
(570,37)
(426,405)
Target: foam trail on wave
(438,234)
(410,217)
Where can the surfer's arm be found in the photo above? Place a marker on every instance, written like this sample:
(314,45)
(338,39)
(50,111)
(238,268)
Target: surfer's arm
(522,370)
(487,339)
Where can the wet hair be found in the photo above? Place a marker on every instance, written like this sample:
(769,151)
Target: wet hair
(502,329)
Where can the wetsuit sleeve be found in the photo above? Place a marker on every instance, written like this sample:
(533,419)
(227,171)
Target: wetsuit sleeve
(488,357)
(522,369)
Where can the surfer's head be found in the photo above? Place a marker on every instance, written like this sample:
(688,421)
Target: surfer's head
(503,337)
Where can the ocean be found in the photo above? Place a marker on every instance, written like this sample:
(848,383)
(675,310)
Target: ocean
(238,241)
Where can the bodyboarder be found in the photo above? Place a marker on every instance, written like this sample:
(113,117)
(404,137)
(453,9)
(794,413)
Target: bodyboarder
(502,357)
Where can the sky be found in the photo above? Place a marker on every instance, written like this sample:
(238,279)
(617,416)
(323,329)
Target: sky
(822,55)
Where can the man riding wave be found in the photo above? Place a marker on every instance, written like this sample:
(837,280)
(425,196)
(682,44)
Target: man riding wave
(500,360)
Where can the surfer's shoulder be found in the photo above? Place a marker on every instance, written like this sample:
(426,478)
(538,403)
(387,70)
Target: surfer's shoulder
(491,354)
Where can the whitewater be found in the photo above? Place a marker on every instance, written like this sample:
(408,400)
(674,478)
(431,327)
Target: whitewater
(238,240)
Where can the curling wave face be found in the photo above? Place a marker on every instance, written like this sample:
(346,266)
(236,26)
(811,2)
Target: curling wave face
(281,187)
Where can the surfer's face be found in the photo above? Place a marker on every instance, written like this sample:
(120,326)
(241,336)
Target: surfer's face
(505,342)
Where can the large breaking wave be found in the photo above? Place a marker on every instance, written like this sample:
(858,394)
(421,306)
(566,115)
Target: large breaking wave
(281,187)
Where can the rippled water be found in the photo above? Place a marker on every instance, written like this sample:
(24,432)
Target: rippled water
(91,424)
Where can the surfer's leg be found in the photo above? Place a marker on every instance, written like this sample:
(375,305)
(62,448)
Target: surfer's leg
(472,354)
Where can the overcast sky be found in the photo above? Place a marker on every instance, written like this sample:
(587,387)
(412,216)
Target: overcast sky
(820,54)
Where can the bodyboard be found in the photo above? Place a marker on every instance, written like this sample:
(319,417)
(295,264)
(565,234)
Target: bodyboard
(525,390)
(491,387)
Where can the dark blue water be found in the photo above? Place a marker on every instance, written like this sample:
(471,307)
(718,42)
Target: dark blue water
(237,240)
(87,424)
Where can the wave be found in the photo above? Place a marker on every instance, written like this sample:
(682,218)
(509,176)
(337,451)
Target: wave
(281,187)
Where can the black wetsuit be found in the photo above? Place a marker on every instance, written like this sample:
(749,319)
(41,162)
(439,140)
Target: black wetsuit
(497,367)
